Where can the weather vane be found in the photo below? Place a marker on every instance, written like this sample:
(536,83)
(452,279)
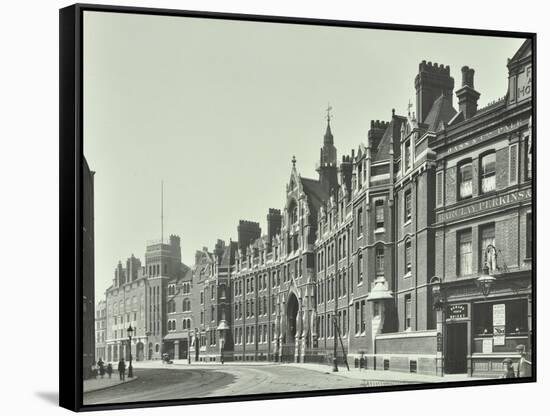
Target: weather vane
(329,116)
(293,161)
(409,106)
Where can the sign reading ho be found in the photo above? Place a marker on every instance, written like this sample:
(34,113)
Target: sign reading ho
(459,310)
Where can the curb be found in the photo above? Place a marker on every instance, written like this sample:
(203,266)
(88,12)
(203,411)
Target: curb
(114,385)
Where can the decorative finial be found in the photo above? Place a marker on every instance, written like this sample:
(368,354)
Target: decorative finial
(409,106)
(329,116)
(293,161)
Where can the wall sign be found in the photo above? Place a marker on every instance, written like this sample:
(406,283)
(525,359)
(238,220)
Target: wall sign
(499,314)
(459,310)
(496,202)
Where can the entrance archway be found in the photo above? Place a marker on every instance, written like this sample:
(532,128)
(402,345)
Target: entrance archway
(288,347)
(140,351)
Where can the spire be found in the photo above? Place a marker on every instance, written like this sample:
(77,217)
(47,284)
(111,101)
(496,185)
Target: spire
(329,139)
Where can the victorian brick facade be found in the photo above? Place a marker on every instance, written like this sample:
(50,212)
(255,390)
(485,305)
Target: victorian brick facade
(412,253)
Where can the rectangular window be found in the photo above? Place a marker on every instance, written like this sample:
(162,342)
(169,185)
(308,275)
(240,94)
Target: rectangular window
(357,318)
(408,311)
(363,317)
(513,164)
(407,155)
(439,188)
(359,222)
(408,206)
(379,260)
(465,180)
(379,213)
(465,253)
(360,268)
(408,257)
(486,238)
(529,237)
(488,173)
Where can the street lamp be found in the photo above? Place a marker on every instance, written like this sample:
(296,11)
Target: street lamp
(485,281)
(334,360)
(439,306)
(130,331)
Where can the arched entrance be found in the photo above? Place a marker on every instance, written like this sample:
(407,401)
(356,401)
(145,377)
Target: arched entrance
(290,336)
(140,351)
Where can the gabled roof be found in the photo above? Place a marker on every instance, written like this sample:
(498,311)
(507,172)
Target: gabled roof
(523,51)
(387,142)
(316,192)
(442,111)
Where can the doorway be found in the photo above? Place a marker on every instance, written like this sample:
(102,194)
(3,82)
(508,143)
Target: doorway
(456,350)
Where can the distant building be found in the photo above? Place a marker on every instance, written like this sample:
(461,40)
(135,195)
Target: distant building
(100,330)
(88,274)
(137,298)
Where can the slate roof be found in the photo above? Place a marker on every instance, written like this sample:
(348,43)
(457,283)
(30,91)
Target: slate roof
(315,191)
(442,111)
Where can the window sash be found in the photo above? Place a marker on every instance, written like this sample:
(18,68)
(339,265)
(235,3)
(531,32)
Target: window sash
(465,254)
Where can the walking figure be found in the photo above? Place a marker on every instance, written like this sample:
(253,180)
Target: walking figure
(101,366)
(508,366)
(122,369)
(109,370)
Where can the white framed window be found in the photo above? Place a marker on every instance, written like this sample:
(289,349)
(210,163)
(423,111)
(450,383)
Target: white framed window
(513,163)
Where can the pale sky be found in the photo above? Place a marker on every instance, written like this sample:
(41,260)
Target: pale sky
(217,109)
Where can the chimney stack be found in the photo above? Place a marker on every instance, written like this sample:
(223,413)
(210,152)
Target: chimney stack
(274,220)
(248,232)
(376,132)
(432,81)
(467,95)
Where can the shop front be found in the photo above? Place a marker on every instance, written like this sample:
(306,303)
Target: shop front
(481,330)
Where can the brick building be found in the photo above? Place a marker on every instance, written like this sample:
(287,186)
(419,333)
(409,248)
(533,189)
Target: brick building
(412,253)
(139,298)
(100,330)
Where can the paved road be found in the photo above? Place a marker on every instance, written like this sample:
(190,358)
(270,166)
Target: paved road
(206,381)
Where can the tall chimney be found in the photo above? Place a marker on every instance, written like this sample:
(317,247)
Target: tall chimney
(467,95)
(247,232)
(432,81)
(274,220)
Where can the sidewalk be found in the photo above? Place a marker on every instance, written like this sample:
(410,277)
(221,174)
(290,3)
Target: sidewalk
(99,383)
(380,375)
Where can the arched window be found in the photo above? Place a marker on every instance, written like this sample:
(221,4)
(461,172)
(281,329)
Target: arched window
(464,179)
(487,174)
(293,212)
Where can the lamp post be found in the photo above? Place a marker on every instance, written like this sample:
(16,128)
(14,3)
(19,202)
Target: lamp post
(438,305)
(130,331)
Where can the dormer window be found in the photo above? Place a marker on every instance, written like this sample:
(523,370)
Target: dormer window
(465,180)
(488,172)
(407,155)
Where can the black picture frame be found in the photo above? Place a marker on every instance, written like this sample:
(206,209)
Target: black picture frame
(71,200)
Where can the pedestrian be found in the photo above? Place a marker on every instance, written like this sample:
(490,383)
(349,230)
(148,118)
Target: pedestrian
(524,365)
(121,369)
(101,366)
(109,369)
(508,367)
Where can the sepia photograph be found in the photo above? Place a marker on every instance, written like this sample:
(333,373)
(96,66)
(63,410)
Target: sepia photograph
(273,208)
